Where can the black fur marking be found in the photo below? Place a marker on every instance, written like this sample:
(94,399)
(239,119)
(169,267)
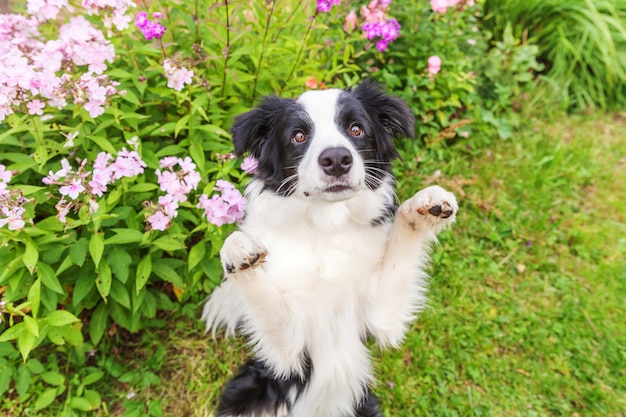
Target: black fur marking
(388,214)
(368,407)
(266,133)
(382,118)
(255,391)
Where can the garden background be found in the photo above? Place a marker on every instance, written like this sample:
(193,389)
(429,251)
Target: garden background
(118,186)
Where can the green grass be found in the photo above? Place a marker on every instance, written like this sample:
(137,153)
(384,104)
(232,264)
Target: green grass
(527,298)
(528,292)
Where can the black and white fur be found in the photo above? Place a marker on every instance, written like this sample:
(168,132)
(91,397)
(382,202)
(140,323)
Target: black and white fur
(324,259)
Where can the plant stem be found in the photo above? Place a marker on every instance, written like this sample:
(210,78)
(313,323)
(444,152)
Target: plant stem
(304,40)
(226,51)
(195,19)
(258,68)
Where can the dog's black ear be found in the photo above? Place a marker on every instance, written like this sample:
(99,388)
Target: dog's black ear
(387,110)
(251,130)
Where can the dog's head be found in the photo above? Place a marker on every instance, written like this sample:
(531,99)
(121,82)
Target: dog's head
(327,145)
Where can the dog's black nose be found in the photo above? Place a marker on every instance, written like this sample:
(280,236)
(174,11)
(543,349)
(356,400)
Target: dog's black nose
(335,161)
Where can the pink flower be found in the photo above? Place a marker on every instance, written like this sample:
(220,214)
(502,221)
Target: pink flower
(46,9)
(226,208)
(168,162)
(434,64)
(186,164)
(325,5)
(177,76)
(249,164)
(159,221)
(13,218)
(5,175)
(127,164)
(169,205)
(149,29)
(439,6)
(35,107)
(350,23)
(72,190)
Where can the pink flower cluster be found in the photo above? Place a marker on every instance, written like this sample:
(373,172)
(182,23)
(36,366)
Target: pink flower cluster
(112,12)
(226,208)
(44,10)
(177,75)
(150,29)
(178,178)
(376,23)
(441,6)
(82,184)
(11,203)
(35,73)
(325,5)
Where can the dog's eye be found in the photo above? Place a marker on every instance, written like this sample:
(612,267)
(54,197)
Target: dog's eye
(356,131)
(299,136)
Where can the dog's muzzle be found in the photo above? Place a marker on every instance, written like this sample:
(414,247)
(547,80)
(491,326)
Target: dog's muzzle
(335,162)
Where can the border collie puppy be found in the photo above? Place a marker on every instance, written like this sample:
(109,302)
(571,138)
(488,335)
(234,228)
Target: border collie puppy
(324,258)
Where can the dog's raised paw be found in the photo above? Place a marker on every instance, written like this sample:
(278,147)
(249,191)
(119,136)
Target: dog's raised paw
(433,206)
(241,252)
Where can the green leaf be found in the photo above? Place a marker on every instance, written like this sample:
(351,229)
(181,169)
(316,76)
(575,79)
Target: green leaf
(125,236)
(144,269)
(53,378)
(48,278)
(181,124)
(96,248)
(143,187)
(93,377)
(71,334)
(45,398)
(120,294)
(167,273)
(92,396)
(35,366)
(103,143)
(196,151)
(196,254)
(6,376)
(84,284)
(34,297)
(13,332)
(26,342)
(31,325)
(103,280)
(78,251)
(168,244)
(97,324)
(31,256)
(60,318)
(65,265)
(22,382)
(120,261)
(170,150)
(30,189)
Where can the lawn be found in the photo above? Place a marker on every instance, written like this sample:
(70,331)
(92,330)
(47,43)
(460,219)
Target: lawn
(527,300)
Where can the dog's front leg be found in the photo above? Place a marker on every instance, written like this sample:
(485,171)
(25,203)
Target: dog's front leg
(398,292)
(268,319)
